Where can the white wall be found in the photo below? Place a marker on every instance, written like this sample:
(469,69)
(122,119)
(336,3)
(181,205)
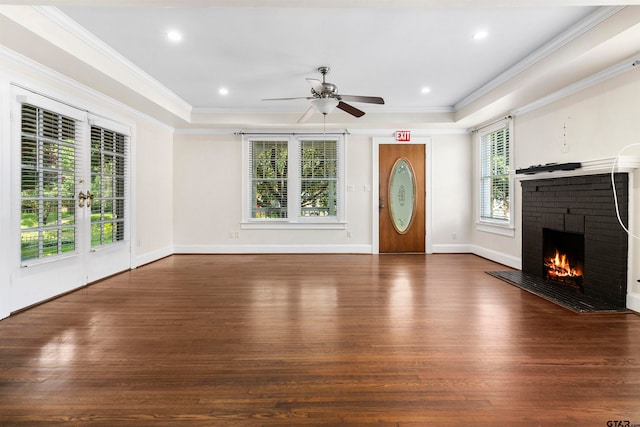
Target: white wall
(451,182)
(208,202)
(595,123)
(153,192)
(208,199)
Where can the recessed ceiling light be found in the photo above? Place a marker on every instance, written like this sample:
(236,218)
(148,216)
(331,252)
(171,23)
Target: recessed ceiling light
(425,90)
(174,35)
(479,35)
(223,91)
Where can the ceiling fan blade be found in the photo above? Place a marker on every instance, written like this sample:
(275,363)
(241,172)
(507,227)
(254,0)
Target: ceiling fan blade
(315,84)
(350,109)
(288,99)
(307,114)
(367,99)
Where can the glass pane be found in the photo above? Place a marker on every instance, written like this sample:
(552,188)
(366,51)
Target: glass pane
(402,195)
(50,213)
(29,244)
(318,198)
(270,199)
(68,185)
(119,209)
(96,234)
(29,183)
(29,214)
(68,212)
(68,240)
(50,242)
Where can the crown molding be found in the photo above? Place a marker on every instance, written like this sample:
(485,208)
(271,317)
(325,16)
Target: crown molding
(624,66)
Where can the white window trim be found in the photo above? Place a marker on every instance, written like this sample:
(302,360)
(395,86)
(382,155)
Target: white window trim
(503,228)
(294,220)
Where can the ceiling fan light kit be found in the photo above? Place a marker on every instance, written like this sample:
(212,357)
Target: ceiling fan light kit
(325,105)
(325,97)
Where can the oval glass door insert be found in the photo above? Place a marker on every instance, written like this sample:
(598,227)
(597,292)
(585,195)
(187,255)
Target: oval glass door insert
(402,195)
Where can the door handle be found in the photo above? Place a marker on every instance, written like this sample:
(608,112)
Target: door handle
(89,198)
(81,199)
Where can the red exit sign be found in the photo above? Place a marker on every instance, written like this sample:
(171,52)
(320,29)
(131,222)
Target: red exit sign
(403,135)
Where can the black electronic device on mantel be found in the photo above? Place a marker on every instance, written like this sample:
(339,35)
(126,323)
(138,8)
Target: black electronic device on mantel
(549,167)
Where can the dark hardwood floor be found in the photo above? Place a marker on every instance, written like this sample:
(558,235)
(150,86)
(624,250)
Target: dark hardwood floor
(316,340)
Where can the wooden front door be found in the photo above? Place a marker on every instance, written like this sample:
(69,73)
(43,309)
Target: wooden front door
(394,236)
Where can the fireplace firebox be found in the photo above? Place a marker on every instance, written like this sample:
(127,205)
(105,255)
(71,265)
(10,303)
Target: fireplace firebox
(563,258)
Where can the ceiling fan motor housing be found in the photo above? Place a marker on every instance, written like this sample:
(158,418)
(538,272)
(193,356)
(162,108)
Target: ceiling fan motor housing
(329,90)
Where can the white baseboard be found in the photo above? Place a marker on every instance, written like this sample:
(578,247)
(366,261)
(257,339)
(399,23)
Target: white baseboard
(633,302)
(152,256)
(499,257)
(451,249)
(272,249)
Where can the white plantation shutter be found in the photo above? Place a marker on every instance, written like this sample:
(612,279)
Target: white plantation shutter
(50,154)
(109,172)
(494,175)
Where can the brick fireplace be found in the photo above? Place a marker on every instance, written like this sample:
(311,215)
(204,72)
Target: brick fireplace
(579,213)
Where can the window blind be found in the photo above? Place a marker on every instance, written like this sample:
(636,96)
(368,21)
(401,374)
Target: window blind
(318,178)
(269,166)
(494,175)
(108,186)
(50,150)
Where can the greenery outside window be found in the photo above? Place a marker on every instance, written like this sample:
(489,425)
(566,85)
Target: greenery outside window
(495,184)
(294,179)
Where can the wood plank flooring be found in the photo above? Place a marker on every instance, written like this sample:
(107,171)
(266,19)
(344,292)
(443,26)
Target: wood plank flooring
(315,340)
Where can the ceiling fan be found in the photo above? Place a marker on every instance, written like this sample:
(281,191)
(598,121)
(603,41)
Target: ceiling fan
(325,97)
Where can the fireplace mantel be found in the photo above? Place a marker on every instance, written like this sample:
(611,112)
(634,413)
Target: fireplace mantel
(591,167)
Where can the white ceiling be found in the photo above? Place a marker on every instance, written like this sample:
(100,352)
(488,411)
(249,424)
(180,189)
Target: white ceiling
(263,52)
(266,49)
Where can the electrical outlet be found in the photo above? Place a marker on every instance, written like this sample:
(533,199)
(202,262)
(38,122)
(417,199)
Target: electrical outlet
(349,234)
(236,235)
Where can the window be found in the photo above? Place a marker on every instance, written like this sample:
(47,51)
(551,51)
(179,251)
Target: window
(108,153)
(319,178)
(48,176)
(495,184)
(269,179)
(294,179)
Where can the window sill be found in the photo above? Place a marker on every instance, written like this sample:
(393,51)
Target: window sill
(507,230)
(281,225)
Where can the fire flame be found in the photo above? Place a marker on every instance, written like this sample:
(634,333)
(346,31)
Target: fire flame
(558,266)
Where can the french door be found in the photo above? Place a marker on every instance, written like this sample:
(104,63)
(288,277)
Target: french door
(70,192)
